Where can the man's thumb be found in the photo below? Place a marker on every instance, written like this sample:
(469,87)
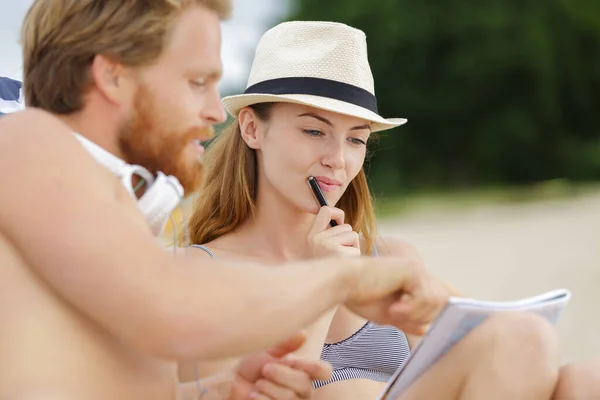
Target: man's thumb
(289,346)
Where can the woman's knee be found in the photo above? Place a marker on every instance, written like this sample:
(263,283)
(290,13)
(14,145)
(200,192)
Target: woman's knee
(525,335)
(579,380)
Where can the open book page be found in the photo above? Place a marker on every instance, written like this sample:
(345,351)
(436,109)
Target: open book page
(458,318)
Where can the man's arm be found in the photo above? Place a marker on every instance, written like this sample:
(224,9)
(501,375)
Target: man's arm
(60,211)
(390,246)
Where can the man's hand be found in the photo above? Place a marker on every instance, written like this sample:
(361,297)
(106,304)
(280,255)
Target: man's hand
(398,291)
(278,375)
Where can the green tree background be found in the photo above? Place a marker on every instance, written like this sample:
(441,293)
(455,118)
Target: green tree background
(496,92)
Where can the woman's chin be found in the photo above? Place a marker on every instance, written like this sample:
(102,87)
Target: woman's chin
(311,208)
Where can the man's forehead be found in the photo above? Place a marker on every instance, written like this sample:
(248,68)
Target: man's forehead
(196,32)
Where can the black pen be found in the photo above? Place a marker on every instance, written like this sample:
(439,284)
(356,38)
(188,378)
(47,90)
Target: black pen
(314,186)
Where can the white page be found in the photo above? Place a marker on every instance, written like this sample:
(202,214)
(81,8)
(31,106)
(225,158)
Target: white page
(457,319)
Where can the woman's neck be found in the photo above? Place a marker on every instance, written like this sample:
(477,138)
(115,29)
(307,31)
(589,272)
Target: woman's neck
(278,232)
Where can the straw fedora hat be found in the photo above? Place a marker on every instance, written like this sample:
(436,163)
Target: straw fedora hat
(315,63)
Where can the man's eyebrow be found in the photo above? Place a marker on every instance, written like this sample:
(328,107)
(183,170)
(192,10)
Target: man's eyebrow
(208,74)
(214,74)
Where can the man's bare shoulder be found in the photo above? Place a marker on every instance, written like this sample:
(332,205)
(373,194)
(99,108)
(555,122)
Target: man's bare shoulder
(34,131)
(31,122)
(40,158)
(36,145)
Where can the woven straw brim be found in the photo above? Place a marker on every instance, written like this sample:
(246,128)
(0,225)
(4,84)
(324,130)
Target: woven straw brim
(233,105)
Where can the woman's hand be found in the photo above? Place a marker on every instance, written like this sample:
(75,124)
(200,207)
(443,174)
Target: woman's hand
(327,241)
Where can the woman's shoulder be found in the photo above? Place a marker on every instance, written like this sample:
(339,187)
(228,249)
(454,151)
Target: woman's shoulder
(393,246)
(225,247)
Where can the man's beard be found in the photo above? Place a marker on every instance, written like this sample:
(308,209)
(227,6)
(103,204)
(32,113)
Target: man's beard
(146,139)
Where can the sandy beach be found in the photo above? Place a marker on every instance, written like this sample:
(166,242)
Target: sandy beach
(506,252)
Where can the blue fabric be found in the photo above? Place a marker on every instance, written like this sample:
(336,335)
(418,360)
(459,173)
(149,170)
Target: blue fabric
(11,95)
(10,89)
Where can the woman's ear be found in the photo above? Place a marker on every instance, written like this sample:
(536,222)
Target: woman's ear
(249,127)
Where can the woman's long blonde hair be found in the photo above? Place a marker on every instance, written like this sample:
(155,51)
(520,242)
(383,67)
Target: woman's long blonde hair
(227,196)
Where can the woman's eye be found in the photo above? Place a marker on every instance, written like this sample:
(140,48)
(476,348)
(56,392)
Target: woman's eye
(312,132)
(358,141)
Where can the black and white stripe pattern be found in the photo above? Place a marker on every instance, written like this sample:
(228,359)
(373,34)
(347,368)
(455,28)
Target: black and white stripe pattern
(374,352)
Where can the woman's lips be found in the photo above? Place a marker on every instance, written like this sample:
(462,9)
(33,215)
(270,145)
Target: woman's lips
(328,184)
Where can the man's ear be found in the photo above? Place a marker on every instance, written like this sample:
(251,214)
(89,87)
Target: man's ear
(113,80)
(249,127)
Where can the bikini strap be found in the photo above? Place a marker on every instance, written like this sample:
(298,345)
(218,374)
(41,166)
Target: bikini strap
(206,249)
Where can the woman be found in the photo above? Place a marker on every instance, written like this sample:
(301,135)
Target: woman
(310,110)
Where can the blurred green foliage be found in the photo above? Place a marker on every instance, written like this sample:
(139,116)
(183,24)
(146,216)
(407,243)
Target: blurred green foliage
(495,92)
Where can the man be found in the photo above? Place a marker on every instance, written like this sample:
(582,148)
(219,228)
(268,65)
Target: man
(90,306)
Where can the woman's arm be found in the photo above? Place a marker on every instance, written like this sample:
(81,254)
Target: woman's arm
(276,374)
(216,387)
